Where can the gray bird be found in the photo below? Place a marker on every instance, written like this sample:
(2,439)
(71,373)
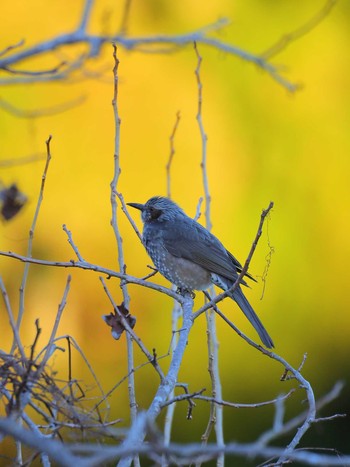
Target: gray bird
(191,257)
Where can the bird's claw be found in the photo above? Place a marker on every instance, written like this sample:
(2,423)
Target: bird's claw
(183,291)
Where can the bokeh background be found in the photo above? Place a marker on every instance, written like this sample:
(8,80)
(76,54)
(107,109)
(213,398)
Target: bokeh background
(264,144)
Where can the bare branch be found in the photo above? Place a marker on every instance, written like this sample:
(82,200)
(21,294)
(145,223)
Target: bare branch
(170,412)
(31,384)
(22,160)
(50,346)
(117,170)
(38,113)
(142,43)
(67,455)
(11,47)
(287,39)
(296,421)
(86,15)
(132,333)
(121,261)
(216,411)
(198,395)
(138,430)
(30,240)
(171,155)
(204,139)
(94,267)
(16,336)
(72,244)
(268,258)
(34,74)
(125,17)
(198,210)
(130,219)
(221,296)
(53,448)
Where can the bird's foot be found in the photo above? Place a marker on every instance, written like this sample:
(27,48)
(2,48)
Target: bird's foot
(183,291)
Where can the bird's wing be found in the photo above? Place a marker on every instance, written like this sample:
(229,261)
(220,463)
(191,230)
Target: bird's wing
(195,243)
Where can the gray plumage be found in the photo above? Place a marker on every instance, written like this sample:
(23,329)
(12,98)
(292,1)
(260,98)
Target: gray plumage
(191,257)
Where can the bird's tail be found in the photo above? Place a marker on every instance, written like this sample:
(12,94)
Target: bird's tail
(247,309)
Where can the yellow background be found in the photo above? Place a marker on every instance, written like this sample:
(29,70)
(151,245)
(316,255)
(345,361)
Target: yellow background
(263,144)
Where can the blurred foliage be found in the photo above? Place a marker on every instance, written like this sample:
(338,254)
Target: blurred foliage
(263,144)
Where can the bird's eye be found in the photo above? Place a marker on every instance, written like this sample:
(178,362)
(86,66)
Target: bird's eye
(155,213)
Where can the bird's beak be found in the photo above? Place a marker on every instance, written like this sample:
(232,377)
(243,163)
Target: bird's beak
(139,206)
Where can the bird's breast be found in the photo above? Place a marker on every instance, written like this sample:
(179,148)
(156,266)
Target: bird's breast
(179,271)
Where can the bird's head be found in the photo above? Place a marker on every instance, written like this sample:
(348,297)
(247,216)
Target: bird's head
(158,209)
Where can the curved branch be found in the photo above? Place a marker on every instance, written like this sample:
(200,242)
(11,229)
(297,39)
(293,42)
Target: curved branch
(141,43)
(94,267)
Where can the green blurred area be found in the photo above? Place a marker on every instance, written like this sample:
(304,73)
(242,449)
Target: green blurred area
(263,144)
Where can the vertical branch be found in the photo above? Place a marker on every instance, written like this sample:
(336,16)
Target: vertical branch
(86,15)
(169,417)
(50,347)
(176,312)
(204,140)
(137,432)
(114,222)
(16,337)
(30,241)
(268,257)
(19,455)
(171,155)
(216,412)
(117,171)
(125,17)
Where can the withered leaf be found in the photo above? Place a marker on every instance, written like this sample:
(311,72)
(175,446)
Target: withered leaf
(114,320)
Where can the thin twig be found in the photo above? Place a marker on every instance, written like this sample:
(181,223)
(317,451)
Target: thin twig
(71,242)
(33,74)
(216,411)
(130,219)
(268,258)
(115,386)
(30,240)
(176,311)
(38,113)
(171,155)
(125,17)
(114,222)
(72,341)
(151,274)
(50,345)
(311,412)
(204,139)
(142,43)
(287,39)
(16,336)
(96,268)
(85,17)
(296,421)
(11,162)
(117,170)
(244,271)
(132,333)
(11,47)
(198,395)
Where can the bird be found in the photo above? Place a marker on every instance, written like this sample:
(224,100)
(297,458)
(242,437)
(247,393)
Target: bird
(190,256)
